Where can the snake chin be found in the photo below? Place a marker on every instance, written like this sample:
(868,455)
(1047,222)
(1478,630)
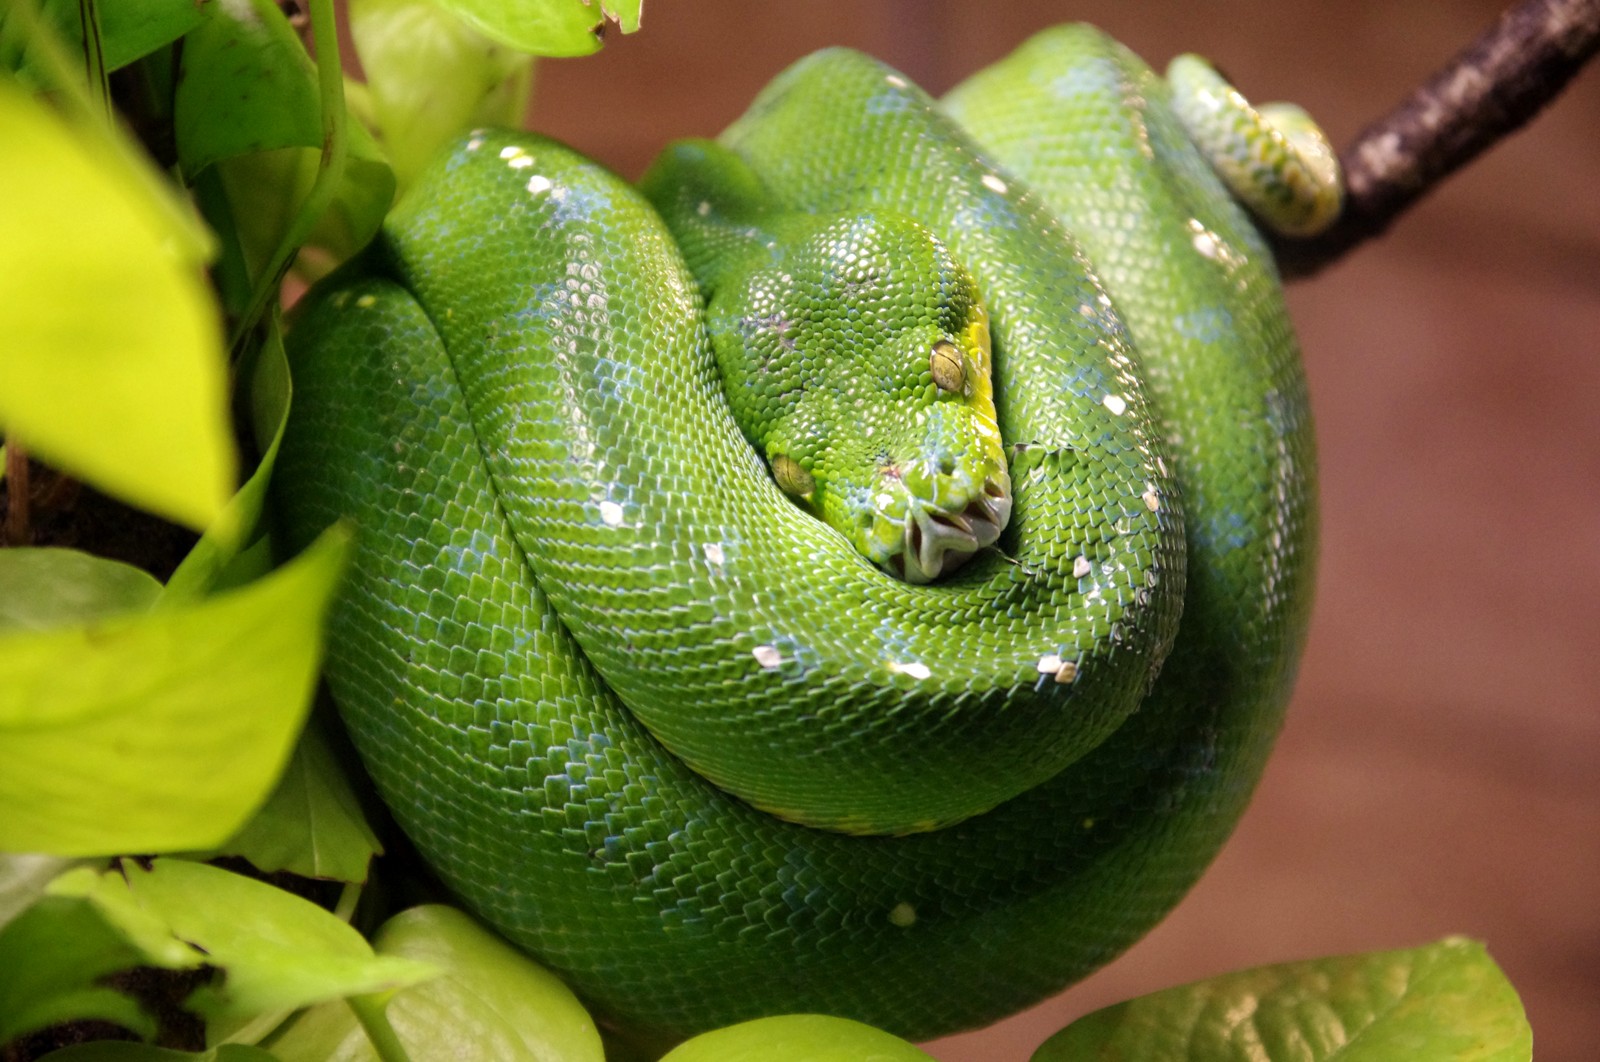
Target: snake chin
(938,541)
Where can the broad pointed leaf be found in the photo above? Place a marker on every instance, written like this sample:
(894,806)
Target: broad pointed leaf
(1445,1002)
(160,731)
(111,366)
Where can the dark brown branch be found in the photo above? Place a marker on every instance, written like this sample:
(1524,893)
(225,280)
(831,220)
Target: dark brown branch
(1485,93)
(14,531)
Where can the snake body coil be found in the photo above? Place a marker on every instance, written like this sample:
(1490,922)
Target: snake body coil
(513,395)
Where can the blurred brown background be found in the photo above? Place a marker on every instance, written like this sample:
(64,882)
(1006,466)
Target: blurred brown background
(1440,771)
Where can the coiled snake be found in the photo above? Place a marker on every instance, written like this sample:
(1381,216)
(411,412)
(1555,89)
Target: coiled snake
(832,790)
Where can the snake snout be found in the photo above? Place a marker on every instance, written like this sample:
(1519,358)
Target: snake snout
(938,540)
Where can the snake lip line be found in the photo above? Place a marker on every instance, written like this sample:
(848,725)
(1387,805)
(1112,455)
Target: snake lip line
(937,542)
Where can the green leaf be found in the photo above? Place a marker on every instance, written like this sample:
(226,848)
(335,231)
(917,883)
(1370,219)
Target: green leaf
(247,101)
(547,27)
(108,322)
(129,29)
(83,928)
(245,84)
(312,824)
(203,568)
(265,190)
(278,952)
(107,892)
(161,731)
(23,879)
(796,1038)
(122,1051)
(431,78)
(327,1032)
(42,588)
(1444,1001)
(491,1001)
(492,998)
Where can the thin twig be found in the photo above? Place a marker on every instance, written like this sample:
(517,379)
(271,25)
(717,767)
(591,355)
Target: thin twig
(94,56)
(1485,93)
(15,531)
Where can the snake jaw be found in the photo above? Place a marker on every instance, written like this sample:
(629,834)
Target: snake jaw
(937,540)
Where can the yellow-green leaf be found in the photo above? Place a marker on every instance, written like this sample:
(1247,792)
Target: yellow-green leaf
(547,27)
(49,587)
(111,361)
(279,952)
(1445,1002)
(270,392)
(123,1051)
(796,1038)
(490,1001)
(164,730)
(312,824)
(54,953)
(431,77)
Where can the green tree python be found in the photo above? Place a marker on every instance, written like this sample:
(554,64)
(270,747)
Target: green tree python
(683,685)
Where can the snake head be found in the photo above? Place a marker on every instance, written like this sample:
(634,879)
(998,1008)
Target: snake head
(855,354)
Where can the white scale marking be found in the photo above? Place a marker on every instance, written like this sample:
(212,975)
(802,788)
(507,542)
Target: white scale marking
(994,184)
(611,513)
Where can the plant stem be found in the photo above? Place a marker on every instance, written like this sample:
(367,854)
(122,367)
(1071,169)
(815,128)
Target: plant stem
(370,1013)
(330,170)
(349,896)
(1489,90)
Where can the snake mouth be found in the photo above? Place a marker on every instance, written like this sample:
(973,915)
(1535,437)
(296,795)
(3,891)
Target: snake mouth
(938,541)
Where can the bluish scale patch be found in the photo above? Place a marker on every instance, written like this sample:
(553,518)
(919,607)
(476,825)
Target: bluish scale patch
(889,102)
(547,302)
(1207,324)
(1225,531)
(578,204)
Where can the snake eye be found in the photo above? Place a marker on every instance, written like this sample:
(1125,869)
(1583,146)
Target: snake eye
(792,479)
(945,363)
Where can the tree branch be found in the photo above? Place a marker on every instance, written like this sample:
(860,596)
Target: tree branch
(1485,93)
